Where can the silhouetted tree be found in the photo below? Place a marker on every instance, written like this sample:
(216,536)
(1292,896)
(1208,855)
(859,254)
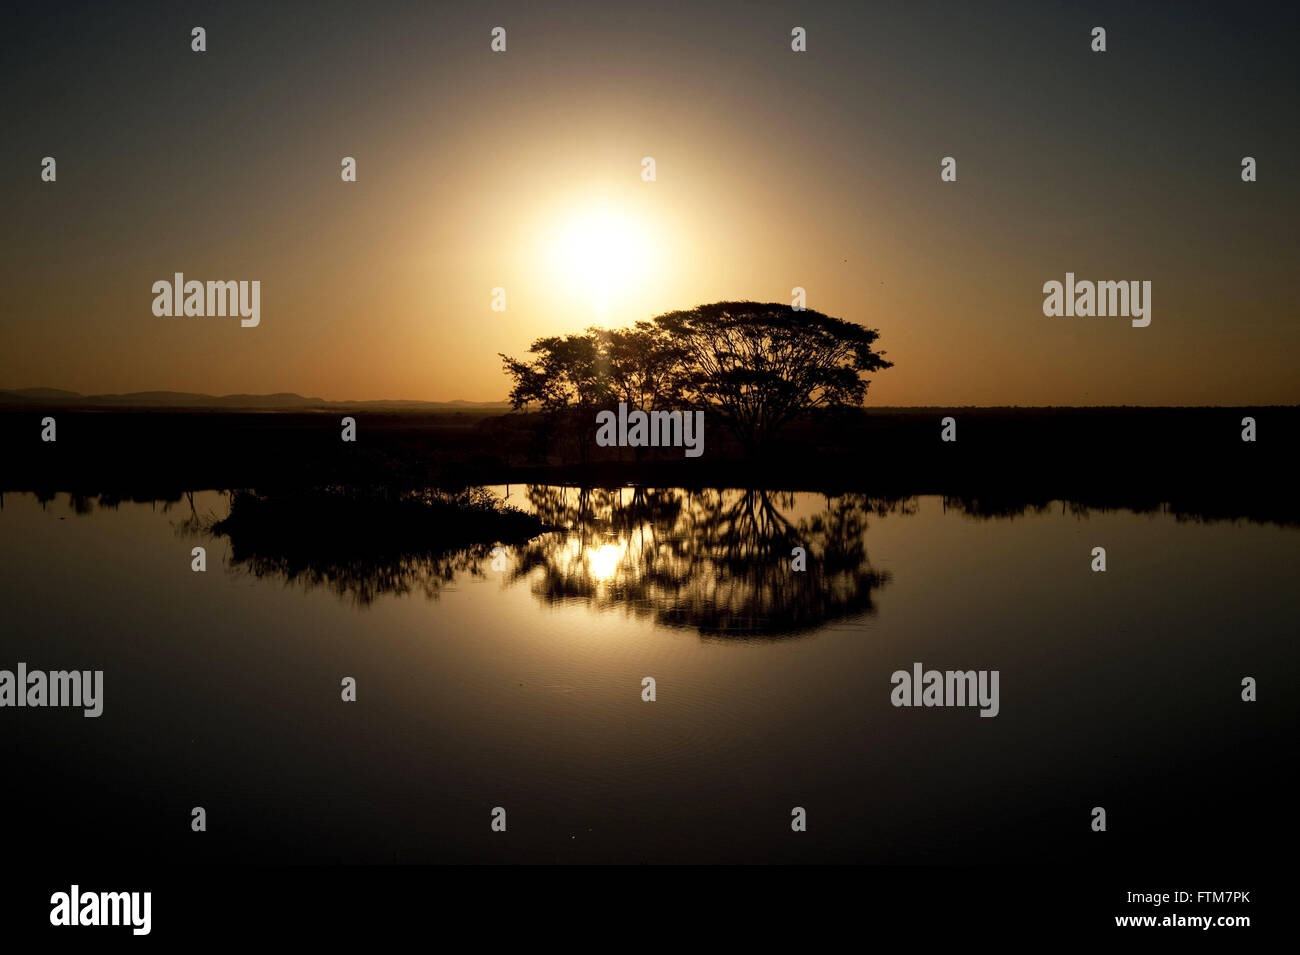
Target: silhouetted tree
(758,365)
(568,379)
(764,364)
(647,369)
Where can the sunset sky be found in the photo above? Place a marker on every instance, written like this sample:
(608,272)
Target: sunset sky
(774,169)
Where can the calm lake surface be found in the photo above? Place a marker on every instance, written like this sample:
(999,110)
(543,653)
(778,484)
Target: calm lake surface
(520,686)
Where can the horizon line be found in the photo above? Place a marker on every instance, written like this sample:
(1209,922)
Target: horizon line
(72,396)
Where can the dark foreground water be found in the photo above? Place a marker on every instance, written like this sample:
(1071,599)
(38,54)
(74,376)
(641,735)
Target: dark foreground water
(514,680)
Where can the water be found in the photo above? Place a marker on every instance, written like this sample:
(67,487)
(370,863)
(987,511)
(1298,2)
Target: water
(521,687)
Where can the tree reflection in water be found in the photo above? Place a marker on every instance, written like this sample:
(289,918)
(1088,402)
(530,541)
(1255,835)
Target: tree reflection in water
(715,561)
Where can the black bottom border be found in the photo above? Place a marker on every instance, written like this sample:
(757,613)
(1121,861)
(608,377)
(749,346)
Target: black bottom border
(654,904)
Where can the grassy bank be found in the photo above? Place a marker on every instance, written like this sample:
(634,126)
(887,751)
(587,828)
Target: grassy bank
(1123,455)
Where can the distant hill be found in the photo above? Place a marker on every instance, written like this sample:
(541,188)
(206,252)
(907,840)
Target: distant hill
(47,397)
(42,393)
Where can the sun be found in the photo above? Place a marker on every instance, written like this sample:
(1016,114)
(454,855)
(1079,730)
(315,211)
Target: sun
(603,561)
(601,255)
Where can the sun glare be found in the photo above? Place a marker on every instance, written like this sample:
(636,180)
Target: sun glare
(601,256)
(603,561)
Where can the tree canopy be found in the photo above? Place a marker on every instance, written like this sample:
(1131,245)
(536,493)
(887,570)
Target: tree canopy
(757,365)
(763,364)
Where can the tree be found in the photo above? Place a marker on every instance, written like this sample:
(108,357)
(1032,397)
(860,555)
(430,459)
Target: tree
(763,364)
(568,379)
(568,372)
(571,377)
(646,367)
(758,365)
